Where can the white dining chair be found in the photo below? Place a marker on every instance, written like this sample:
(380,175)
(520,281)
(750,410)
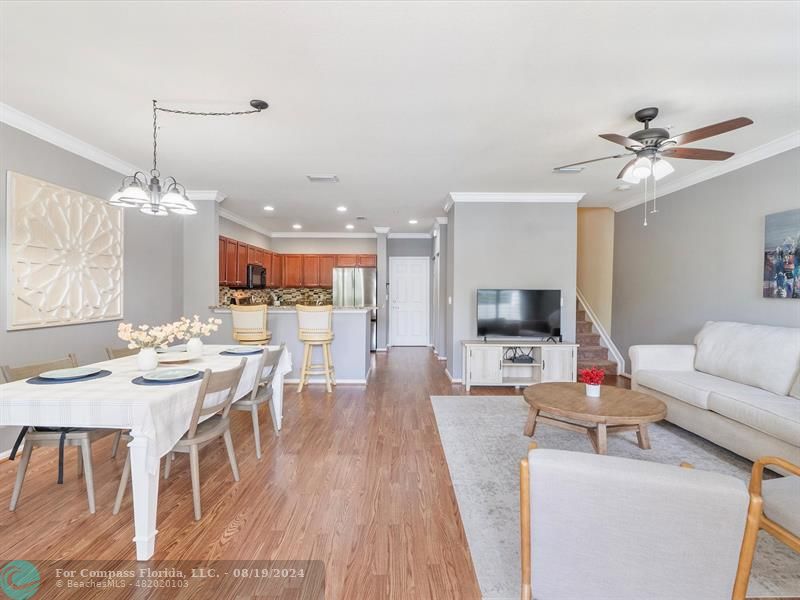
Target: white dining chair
(262,391)
(56,437)
(216,426)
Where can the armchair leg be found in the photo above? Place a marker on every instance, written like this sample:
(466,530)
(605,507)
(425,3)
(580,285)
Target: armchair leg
(748,550)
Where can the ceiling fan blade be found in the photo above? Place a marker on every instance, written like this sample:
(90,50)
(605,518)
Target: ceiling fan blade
(696,153)
(625,168)
(621,140)
(711,130)
(591,161)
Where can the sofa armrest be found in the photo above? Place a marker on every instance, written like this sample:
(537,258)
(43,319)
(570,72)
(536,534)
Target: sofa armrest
(662,357)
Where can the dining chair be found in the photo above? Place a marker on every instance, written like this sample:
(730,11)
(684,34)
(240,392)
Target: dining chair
(596,526)
(315,328)
(262,390)
(112,354)
(250,324)
(215,385)
(53,437)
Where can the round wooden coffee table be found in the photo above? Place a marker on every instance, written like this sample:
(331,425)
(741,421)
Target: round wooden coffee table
(567,406)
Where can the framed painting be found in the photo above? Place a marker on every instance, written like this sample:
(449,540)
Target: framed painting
(782,255)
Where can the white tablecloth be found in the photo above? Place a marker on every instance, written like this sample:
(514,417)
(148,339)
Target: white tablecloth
(159,413)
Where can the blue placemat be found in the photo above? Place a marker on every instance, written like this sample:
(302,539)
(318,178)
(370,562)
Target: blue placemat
(143,381)
(42,381)
(254,352)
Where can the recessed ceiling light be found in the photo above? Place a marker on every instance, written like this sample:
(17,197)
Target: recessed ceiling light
(297,226)
(341,208)
(269,208)
(323,178)
(412,221)
(349,226)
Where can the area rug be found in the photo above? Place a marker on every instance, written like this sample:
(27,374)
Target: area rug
(483,444)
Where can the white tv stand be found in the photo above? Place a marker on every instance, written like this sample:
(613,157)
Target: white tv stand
(484,362)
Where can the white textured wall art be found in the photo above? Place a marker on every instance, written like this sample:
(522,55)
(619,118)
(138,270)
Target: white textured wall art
(64,256)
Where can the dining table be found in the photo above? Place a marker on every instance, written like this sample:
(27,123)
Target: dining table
(157,416)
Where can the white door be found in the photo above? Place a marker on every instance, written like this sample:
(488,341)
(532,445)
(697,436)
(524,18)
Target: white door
(558,363)
(409,293)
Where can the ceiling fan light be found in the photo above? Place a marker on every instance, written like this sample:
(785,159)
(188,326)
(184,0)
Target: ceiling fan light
(629,177)
(642,168)
(661,169)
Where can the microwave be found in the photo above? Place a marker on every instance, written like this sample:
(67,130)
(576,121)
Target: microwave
(256,277)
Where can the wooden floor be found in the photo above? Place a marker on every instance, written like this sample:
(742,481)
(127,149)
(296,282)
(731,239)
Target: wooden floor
(356,478)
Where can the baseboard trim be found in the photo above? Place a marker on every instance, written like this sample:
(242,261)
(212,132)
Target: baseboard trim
(381,349)
(315,380)
(626,375)
(450,377)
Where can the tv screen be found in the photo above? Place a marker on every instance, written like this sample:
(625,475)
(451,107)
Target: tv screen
(519,313)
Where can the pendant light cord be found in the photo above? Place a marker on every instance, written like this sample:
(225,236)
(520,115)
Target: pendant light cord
(157,108)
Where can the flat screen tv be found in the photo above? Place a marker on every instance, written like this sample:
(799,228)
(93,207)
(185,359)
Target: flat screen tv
(519,313)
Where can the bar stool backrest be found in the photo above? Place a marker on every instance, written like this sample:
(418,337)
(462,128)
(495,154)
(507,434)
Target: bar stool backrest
(249,322)
(314,322)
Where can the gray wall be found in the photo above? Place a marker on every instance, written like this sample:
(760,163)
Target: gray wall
(448,290)
(152,267)
(201,260)
(701,257)
(383,299)
(244,234)
(440,291)
(312,245)
(511,245)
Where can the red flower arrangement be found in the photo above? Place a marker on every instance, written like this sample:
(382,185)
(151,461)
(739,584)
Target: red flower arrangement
(593,376)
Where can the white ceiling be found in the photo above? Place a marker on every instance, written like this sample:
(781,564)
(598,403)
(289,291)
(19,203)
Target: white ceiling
(405,102)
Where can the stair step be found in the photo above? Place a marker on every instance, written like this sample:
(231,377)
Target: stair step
(583,327)
(592,353)
(609,366)
(589,339)
(580,315)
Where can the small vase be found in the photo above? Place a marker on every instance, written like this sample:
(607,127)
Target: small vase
(593,391)
(147,359)
(194,347)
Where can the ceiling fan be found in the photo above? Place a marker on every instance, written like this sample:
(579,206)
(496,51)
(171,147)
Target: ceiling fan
(652,144)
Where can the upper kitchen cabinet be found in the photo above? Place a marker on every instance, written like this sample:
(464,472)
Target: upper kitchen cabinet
(275,271)
(221,266)
(346,260)
(327,262)
(367,260)
(241,264)
(310,270)
(232,263)
(292,270)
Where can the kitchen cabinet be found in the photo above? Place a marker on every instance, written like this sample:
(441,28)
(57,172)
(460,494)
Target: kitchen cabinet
(275,274)
(231,261)
(292,270)
(326,264)
(221,265)
(367,260)
(310,270)
(346,260)
(241,264)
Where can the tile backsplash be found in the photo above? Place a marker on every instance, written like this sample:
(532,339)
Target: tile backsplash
(286,296)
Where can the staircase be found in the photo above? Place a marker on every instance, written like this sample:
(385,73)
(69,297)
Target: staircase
(590,352)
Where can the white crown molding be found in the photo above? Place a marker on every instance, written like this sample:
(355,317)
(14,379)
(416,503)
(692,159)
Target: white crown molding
(381,229)
(320,234)
(532,197)
(24,122)
(743,159)
(226,214)
(199,195)
(409,236)
(441,220)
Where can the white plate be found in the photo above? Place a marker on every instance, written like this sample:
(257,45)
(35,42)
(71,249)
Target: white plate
(73,373)
(169,374)
(244,349)
(174,357)
(165,349)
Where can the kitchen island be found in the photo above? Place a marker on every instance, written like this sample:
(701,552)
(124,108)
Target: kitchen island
(351,342)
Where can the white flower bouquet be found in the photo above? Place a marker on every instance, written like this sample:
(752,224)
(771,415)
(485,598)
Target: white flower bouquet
(195,328)
(145,336)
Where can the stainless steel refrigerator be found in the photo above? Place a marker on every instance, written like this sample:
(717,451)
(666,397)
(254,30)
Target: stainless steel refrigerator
(356,288)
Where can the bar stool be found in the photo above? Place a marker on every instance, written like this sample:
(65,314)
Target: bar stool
(315,328)
(250,324)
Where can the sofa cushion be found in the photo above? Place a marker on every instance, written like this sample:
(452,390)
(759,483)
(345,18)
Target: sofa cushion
(795,391)
(760,355)
(778,416)
(781,501)
(692,387)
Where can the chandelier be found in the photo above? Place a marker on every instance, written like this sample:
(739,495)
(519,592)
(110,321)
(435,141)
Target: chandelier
(154,197)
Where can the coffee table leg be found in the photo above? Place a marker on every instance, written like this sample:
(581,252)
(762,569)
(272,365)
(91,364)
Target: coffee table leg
(602,439)
(530,426)
(643,436)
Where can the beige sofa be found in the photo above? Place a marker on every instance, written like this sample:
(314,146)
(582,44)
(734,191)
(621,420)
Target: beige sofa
(738,386)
